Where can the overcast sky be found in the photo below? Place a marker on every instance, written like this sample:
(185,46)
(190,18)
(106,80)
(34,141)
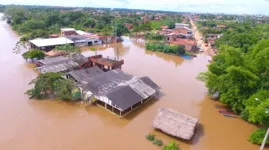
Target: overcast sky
(219,6)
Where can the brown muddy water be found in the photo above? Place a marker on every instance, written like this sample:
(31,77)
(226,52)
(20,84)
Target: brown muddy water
(54,125)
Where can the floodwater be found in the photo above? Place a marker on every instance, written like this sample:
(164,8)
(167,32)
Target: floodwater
(55,125)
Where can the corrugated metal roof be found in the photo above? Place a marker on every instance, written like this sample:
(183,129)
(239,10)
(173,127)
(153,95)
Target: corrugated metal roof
(51,42)
(81,74)
(124,97)
(62,67)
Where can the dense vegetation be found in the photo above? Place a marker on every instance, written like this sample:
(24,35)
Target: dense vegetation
(240,72)
(160,47)
(51,85)
(257,136)
(34,22)
(33,54)
(167,21)
(153,36)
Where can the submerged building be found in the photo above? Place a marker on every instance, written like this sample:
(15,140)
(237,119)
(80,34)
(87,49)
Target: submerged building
(49,44)
(115,90)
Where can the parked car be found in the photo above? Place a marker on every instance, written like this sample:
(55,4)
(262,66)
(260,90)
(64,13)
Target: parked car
(201,50)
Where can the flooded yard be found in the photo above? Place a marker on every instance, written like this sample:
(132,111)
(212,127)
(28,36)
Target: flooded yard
(56,125)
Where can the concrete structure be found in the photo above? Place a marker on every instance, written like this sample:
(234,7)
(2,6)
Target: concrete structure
(181,25)
(68,31)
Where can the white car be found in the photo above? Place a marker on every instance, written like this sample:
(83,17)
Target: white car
(201,50)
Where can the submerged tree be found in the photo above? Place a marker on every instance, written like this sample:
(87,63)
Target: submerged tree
(33,54)
(51,84)
(171,146)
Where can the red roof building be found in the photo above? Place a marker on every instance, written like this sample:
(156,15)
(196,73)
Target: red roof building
(190,45)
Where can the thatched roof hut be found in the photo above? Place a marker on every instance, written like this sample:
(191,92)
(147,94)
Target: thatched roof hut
(175,123)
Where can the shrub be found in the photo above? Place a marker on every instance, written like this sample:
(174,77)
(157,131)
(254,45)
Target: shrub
(171,146)
(24,38)
(33,54)
(150,137)
(158,142)
(257,136)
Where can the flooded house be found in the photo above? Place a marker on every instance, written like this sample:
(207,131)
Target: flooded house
(80,40)
(117,91)
(174,123)
(106,64)
(81,74)
(49,44)
(62,64)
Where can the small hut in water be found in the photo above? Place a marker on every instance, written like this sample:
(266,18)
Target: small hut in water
(175,123)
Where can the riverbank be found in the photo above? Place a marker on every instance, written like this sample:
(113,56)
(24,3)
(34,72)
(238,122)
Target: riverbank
(48,124)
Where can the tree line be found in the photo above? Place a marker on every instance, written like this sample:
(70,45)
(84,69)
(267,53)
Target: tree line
(240,73)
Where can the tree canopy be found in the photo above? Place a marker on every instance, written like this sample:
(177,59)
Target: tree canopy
(51,84)
(240,73)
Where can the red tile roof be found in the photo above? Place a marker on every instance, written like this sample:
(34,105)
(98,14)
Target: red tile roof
(180,30)
(186,42)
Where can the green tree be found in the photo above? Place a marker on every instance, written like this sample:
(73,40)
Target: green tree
(120,29)
(51,84)
(257,136)
(17,13)
(31,25)
(34,54)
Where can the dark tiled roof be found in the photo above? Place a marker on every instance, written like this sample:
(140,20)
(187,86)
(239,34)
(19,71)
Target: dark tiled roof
(79,75)
(150,83)
(124,97)
(53,60)
(104,82)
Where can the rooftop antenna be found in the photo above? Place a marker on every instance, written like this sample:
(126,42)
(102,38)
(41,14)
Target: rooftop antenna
(116,47)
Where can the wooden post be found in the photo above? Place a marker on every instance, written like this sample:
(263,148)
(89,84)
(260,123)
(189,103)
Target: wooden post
(106,106)
(265,139)
(120,113)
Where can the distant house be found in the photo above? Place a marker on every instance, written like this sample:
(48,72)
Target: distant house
(190,45)
(80,40)
(49,44)
(181,25)
(213,36)
(220,26)
(128,25)
(183,32)
(68,31)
